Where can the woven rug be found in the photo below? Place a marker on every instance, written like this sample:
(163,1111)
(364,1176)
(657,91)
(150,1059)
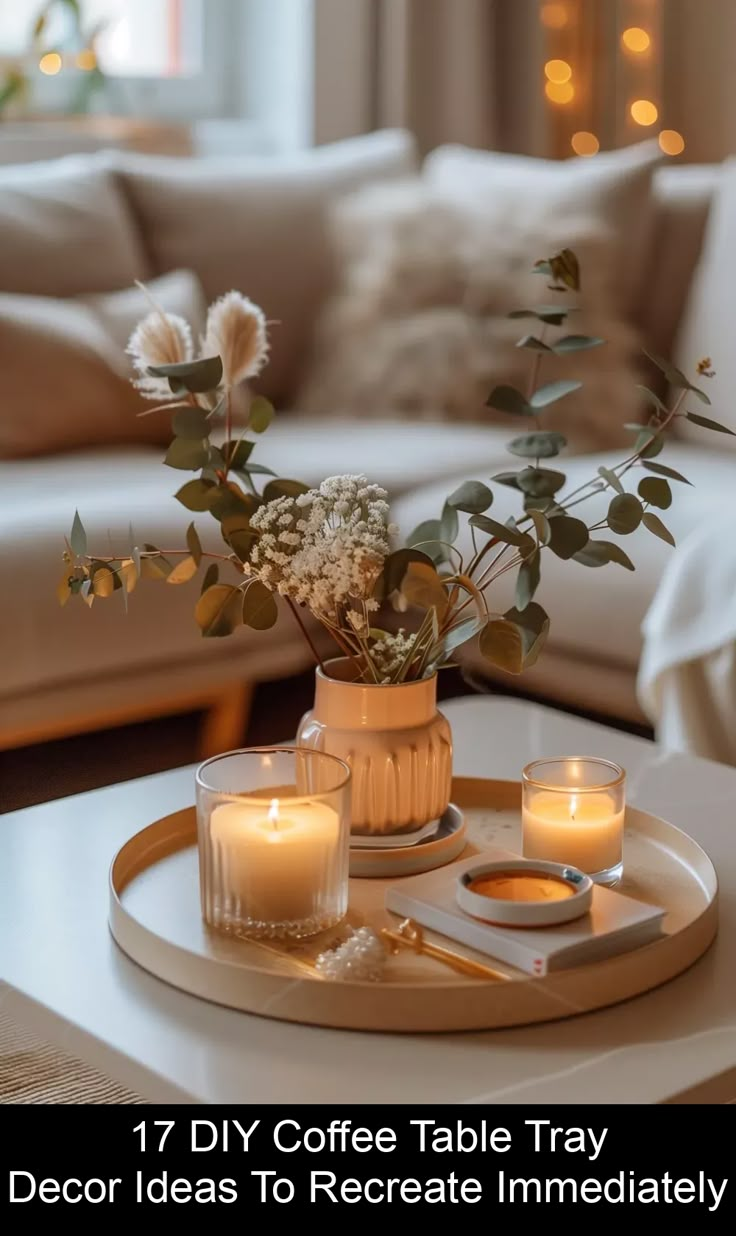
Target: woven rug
(33,1072)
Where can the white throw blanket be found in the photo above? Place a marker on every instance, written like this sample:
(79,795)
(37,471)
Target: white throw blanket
(687,676)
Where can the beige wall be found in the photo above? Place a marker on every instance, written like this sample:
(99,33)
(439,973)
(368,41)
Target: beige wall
(700,76)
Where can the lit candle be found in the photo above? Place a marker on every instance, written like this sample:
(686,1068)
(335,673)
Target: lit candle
(276,865)
(573,812)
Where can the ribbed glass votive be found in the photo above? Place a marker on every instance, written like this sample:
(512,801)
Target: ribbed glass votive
(274,834)
(573,812)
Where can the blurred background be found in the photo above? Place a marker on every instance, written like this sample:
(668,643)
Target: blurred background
(246,76)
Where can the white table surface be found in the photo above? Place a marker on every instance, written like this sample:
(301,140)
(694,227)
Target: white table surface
(65,978)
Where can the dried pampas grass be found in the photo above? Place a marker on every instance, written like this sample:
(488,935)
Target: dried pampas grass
(160,339)
(237,333)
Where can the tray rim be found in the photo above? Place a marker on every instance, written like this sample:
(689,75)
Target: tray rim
(174,832)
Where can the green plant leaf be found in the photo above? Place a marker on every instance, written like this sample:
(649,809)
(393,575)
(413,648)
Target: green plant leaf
(664,470)
(103,581)
(63,589)
(553,391)
(78,537)
(652,398)
(283,488)
(241,542)
(219,611)
(541,526)
(536,345)
(195,495)
(422,586)
(576,343)
(228,499)
(624,514)
(533,623)
(260,610)
(501,532)
(460,635)
(567,536)
(527,581)
(256,469)
(508,399)
(155,568)
(195,376)
(211,576)
(260,415)
(701,395)
(599,553)
(502,645)
(427,536)
(674,376)
(541,445)
(237,453)
(706,423)
(182,572)
(449,524)
(395,568)
(565,268)
(194,545)
(551,315)
(540,482)
(648,445)
(191,423)
(611,479)
(510,479)
(187,454)
(473,497)
(656,490)
(655,525)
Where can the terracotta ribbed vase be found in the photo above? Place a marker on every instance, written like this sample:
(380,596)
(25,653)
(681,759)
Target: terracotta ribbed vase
(397,744)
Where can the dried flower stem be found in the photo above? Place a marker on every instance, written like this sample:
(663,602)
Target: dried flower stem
(295,611)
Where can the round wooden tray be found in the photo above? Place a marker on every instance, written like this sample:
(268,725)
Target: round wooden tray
(155,919)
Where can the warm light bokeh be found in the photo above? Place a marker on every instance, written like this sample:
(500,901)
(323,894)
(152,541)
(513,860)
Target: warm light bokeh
(86,60)
(585,144)
(644,112)
(559,92)
(50,64)
(554,16)
(671,142)
(635,39)
(557,71)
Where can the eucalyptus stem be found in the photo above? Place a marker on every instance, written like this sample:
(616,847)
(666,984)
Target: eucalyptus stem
(305,633)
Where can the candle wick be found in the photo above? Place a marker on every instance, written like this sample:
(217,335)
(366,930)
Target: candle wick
(273,813)
(573,807)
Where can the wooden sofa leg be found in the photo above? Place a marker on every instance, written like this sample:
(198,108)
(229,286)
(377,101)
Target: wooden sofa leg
(225,723)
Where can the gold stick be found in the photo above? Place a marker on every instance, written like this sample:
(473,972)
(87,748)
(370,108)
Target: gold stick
(410,935)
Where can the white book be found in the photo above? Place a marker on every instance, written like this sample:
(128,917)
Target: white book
(615,924)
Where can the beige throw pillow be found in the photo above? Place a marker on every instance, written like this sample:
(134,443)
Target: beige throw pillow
(420,326)
(707,326)
(65,375)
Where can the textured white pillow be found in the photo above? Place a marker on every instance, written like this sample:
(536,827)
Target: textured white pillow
(420,327)
(707,326)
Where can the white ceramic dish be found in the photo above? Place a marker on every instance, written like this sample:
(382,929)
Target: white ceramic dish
(577,894)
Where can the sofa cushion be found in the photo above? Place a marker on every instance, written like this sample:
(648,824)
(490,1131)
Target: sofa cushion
(596,614)
(65,374)
(258,225)
(65,228)
(420,327)
(706,329)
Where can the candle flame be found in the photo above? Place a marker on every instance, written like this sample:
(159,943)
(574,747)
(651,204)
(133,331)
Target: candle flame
(573,805)
(273,812)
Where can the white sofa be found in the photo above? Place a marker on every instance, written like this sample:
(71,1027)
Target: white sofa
(71,669)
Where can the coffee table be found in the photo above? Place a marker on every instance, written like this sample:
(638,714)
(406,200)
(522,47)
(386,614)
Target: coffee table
(65,978)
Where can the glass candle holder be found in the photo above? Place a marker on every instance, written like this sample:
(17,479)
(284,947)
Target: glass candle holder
(274,833)
(573,812)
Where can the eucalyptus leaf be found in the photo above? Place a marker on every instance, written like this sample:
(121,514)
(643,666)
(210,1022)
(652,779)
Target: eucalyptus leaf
(394,570)
(701,395)
(565,268)
(255,469)
(624,514)
(510,479)
(553,391)
(576,343)
(237,453)
(674,376)
(129,573)
(649,444)
(103,582)
(78,537)
(706,423)
(460,635)
(527,581)
(182,572)
(535,344)
(544,444)
(229,499)
(211,576)
(428,537)
(533,623)
(654,524)
(283,488)
(502,645)
(652,398)
(260,610)
(191,423)
(541,526)
(611,479)
(422,586)
(540,482)
(664,470)
(449,524)
(63,589)
(508,399)
(473,497)
(260,415)
(501,532)
(568,536)
(241,542)
(195,376)
(187,454)
(599,553)
(656,491)
(219,611)
(551,315)
(194,545)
